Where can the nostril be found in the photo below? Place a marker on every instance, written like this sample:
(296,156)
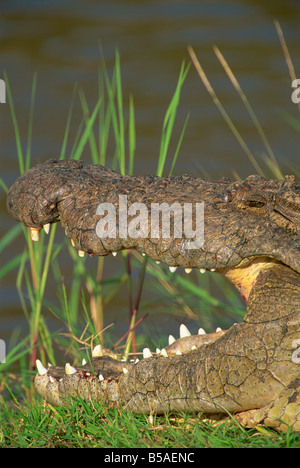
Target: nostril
(228,196)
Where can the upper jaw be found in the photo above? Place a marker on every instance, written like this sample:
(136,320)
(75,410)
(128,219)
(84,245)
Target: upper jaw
(222,269)
(232,234)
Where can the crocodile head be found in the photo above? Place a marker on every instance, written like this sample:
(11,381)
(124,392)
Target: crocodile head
(213,225)
(249,231)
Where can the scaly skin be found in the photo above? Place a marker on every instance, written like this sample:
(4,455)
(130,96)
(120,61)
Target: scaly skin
(251,235)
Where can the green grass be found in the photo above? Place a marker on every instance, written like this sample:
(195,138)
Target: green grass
(92,425)
(107,129)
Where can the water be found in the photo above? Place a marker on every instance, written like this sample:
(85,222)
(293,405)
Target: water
(60,42)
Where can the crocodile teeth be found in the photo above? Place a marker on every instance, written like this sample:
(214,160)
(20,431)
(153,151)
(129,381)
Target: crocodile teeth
(137,360)
(52,380)
(164,353)
(184,331)
(158,262)
(34,234)
(97,351)
(171,339)
(193,348)
(202,270)
(125,371)
(70,369)
(72,242)
(157,351)
(41,369)
(218,329)
(46,228)
(83,363)
(81,253)
(188,270)
(147,353)
(179,353)
(172,269)
(115,254)
(201,331)
(101,378)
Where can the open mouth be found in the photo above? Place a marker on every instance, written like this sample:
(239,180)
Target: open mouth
(92,379)
(249,237)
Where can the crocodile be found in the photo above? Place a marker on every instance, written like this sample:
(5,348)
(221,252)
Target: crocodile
(250,234)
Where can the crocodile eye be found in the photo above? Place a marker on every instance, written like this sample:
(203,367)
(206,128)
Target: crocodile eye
(255,204)
(228,196)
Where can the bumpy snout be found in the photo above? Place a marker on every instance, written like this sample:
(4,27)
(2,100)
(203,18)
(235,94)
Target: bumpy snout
(34,197)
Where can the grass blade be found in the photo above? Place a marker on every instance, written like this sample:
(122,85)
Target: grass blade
(15,125)
(223,112)
(132,138)
(30,122)
(251,112)
(169,121)
(87,132)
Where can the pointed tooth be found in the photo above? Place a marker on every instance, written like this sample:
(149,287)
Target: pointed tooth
(201,331)
(184,331)
(46,228)
(143,253)
(72,242)
(188,270)
(147,353)
(212,269)
(171,339)
(202,270)
(114,254)
(34,234)
(137,360)
(172,269)
(193,348)
(81,253)
(101,378)
(52,380)
(41,369)
(157,351)
(158,262)
(179,353)
(164,353)
(83,363)
(70,369)
(97,351)
(218,329)
(125,371)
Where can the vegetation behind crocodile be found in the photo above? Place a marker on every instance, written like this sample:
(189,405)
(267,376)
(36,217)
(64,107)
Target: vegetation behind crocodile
(251,235)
